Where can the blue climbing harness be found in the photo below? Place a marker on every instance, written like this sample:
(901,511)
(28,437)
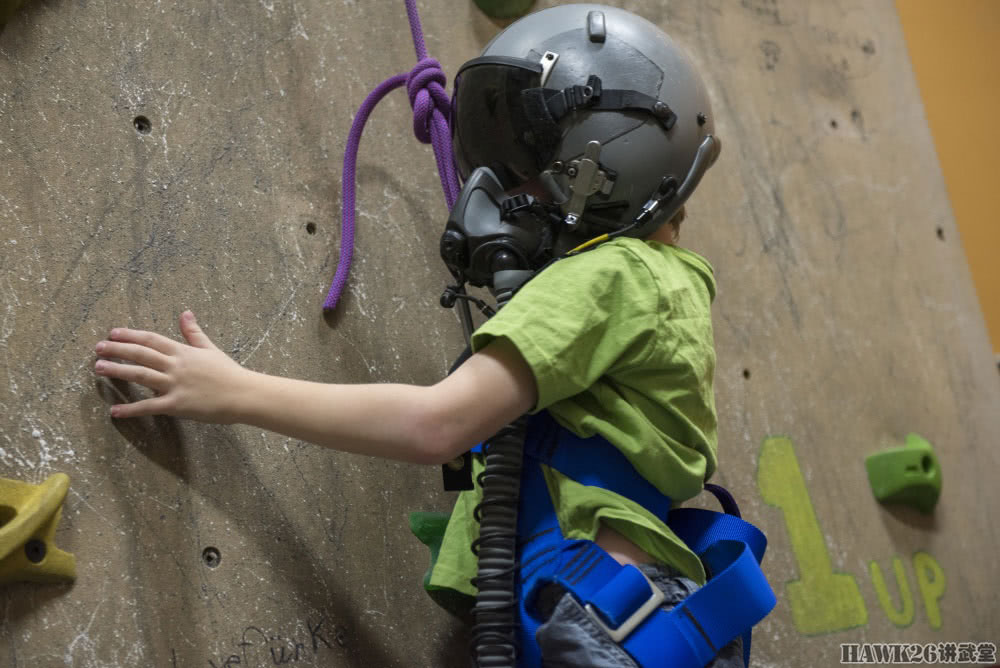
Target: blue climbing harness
(620,599)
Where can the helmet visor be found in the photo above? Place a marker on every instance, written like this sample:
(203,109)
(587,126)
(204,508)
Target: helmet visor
(490,127)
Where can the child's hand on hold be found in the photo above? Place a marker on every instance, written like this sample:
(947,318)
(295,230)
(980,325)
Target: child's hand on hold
(196,381)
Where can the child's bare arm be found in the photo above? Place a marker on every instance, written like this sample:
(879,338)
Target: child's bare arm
(406,422)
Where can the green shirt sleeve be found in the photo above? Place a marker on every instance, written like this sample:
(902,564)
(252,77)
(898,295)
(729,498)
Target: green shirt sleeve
(584,317)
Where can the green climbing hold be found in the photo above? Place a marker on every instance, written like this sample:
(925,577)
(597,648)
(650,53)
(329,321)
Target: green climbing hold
(7,9)
(504,9)
(429,528)
(908,475)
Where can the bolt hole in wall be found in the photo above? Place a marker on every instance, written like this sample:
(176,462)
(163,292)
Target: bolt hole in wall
(311,228)
(746,373)
(940,233)
(142,125)
(211,556)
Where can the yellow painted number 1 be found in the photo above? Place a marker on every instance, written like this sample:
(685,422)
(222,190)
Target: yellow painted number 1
(821,600)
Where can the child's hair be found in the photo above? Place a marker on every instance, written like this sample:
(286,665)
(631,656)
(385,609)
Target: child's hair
(675,223)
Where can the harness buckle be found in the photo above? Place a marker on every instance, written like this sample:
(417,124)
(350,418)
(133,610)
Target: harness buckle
(618,634)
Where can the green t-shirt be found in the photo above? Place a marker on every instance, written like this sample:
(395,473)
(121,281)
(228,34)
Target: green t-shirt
(620,343)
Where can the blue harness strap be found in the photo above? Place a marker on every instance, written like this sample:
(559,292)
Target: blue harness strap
(620,599)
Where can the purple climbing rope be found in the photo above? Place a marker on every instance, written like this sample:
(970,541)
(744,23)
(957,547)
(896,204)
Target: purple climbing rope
(425,85)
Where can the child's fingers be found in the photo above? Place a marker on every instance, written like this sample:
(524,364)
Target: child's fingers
(192,332)
(133,353)
(152,340)
(154,406)
(133,373)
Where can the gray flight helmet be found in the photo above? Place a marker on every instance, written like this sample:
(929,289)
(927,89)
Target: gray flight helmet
(598,105)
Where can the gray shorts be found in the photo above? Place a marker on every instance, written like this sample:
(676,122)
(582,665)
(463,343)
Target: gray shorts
(570,638)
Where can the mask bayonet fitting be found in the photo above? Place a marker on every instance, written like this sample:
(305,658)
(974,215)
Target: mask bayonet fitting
(586,178)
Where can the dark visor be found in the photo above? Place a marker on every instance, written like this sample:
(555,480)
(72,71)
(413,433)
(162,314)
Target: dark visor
(489,125)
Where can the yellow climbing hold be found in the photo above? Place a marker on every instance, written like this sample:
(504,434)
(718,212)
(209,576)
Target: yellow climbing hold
(29,515)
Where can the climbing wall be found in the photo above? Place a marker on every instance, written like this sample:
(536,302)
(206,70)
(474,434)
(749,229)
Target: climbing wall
(163,155)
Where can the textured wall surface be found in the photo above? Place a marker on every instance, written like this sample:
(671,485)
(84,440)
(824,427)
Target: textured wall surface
(846,319)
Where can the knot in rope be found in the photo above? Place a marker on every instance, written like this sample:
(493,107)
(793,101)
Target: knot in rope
(425,84)
(431,109)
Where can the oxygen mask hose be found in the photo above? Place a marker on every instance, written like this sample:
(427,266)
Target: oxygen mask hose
(495,629)
(494,633)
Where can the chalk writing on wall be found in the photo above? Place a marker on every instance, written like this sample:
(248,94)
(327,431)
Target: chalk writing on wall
(257,648)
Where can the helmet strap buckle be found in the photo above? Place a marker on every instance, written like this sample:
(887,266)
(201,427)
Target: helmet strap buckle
(561,102)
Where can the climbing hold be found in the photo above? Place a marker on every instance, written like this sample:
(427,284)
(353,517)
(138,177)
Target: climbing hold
(504,9)
(29,515)
(429,528)
(910,475)
(7,9)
